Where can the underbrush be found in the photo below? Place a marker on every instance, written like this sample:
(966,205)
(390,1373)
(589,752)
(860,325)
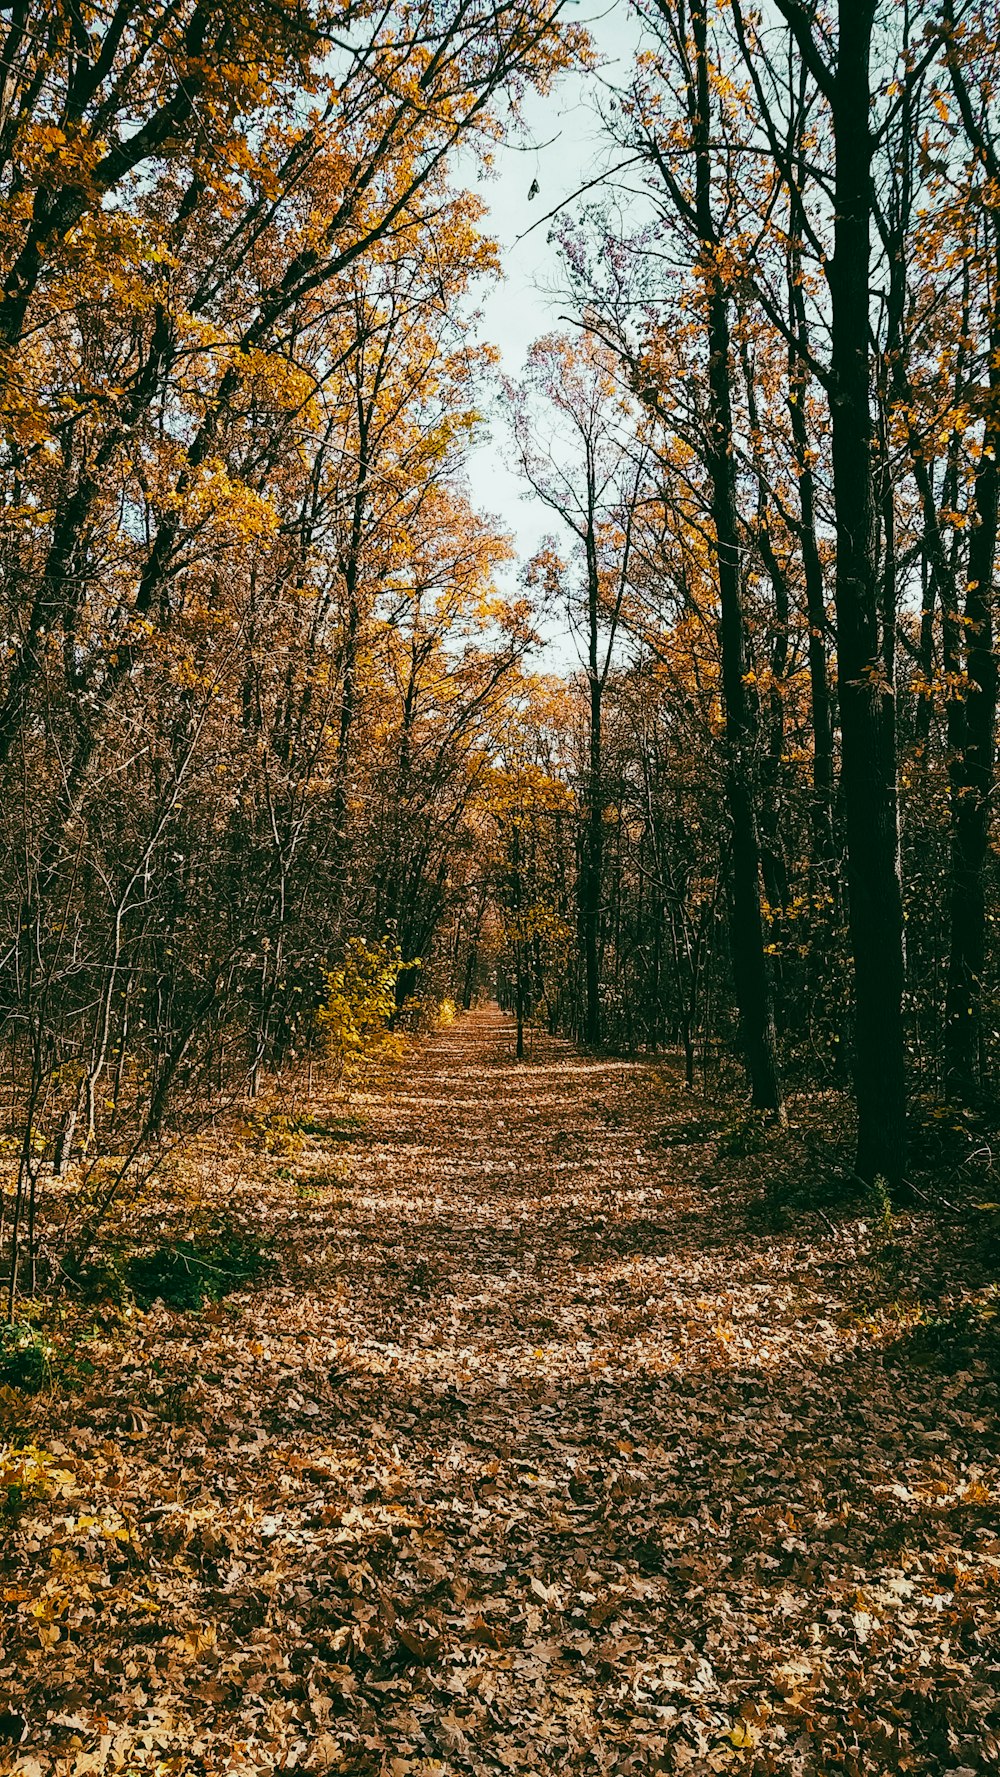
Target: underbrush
(954,1337)
(789,1171)
(806,1167)
(691,1133)
(348,1127)
(331,1189)
(27,1356)
(285,1134)
(29,1474)
(185,1273)
(46,1350)
(918,1268)
(188,1238)
(190,1273)
(748,1133)
(50,1344)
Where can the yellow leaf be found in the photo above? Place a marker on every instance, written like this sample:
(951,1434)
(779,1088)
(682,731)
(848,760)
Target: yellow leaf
(742,1734)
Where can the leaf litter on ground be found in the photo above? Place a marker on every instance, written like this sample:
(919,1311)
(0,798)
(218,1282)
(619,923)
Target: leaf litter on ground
(537,1451)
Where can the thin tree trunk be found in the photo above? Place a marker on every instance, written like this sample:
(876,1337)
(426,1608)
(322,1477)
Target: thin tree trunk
(866,699)
(592,871)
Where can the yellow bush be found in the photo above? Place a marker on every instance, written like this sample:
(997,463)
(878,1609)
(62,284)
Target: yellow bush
(361,999)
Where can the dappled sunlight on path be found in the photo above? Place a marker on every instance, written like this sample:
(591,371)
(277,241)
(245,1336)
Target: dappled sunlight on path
(537,1456)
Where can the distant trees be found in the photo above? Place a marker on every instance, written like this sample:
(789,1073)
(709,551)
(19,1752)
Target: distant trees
(526,849)
(583,459)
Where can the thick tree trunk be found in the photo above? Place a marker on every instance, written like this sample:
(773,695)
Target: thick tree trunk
(866,699)
(972,774)
(751,974)
(517,904)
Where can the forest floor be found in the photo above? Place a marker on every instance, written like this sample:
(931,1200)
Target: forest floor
(547,1447)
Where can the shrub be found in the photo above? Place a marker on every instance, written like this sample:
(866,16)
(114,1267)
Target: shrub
(878,1203)
(101,1279)
(284,1134)
(274,1132)
(954,1337)
(361,999)
(26,1357)
(749,1133)
(186,1274)
(345,1128)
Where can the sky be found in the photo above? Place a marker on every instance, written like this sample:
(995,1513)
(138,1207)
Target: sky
(563,146)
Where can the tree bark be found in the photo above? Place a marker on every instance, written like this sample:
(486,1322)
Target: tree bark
(751,973)
(972,771)
(592,873)
(867,705)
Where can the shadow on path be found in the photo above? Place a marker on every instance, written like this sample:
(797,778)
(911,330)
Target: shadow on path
(538,1460)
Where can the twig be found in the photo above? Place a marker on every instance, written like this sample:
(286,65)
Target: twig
(933,1202)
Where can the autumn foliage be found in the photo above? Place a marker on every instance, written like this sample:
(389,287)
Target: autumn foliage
(600,1380)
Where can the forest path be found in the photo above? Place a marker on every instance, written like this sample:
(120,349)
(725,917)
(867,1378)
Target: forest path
(539,1456)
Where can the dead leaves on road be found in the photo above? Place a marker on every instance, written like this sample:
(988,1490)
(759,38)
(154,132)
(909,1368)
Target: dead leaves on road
(537,1458)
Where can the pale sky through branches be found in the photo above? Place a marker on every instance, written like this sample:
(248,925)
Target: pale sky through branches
(564,147)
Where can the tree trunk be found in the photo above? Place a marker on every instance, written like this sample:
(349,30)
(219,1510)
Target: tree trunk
(592,873)
(751,973)
(592,860)
(972,772)
(812,572)
(866,699)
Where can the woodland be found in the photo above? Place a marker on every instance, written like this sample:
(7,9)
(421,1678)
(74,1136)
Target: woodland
(499,1047)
